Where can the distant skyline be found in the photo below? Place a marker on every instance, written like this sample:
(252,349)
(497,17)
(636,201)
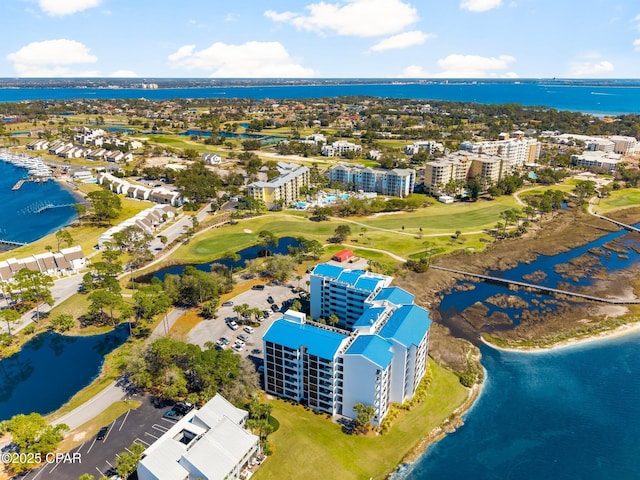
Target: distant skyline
(321,39)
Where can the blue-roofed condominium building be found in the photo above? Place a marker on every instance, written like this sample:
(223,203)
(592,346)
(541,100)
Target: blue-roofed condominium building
(375,355)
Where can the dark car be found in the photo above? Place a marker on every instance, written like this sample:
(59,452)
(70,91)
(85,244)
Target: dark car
(275,307)
(258,287)
(102,433)
(182,408)
(270,299)
(227,304)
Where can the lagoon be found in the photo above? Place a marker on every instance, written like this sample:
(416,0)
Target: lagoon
(51,368)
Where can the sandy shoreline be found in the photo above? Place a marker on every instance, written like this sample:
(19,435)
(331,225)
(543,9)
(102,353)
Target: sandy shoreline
(571,342)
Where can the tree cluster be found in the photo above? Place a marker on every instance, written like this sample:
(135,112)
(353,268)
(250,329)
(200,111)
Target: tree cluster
(174,370)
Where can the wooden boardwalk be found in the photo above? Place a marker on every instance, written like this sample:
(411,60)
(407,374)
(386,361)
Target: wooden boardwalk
(630,228)
(540,288)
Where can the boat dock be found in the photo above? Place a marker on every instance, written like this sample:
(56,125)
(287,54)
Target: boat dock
(18,185)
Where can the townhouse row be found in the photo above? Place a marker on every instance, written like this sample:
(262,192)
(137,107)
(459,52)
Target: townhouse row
(65,262)
(139,192)
(147,220)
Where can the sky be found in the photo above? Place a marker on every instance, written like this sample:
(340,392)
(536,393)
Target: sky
(321,38)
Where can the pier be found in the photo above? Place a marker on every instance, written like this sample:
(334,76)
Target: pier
(540,288)
(629,228)
(11,243)
(18,184)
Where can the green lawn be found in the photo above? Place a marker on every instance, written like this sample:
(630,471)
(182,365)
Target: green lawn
(385,232)
(311,446)
(628,197)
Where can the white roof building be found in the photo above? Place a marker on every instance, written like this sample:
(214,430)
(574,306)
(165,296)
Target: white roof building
(209,444)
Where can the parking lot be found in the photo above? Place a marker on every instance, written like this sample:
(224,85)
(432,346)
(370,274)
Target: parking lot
(214,329)
(143,425)
(146,424)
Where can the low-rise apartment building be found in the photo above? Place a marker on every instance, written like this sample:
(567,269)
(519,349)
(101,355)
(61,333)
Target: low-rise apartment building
(398,182)
(339,148)
(284,189)
(376,353)
(514,151)
(597,159)
(208,443)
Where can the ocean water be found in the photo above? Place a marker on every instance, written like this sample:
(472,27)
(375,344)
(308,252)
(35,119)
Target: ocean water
(571,413)
(612,97)
(19,221)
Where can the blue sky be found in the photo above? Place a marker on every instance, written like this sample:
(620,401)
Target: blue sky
(321,38)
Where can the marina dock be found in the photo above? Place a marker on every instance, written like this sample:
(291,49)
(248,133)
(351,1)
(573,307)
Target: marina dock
(18,184)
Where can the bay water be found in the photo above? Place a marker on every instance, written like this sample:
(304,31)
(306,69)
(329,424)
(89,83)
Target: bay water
(19,217)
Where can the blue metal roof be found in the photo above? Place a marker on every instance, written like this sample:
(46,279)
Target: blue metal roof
(319,342)
(373,348)
(368,283)
(408,325)
(350,277)
(395,295)
(369,316)
(326,270)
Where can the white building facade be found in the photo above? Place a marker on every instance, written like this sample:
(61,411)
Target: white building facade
(375,355)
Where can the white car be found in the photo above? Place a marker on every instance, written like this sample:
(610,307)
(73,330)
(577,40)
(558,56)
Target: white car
(248,329)
(237,347)
(233,325)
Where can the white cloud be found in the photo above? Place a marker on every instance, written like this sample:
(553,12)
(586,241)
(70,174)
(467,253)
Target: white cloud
(636,44)
(402,40)
(474,66)
(124,74)
(465,66)
(415,71)
(251,59)
(51,58)
(360,18)
(231,17)
(589,68)
(480,5)
(60,8)
(183,52)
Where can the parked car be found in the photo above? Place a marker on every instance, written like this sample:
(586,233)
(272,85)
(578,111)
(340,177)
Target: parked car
(182,408)
(171,415)
(239,342)
(258,287)
(102,433)
(237,347)
(227,304)
(248,329)
(243,337)
(224,341)
(233,325)
(270,299)
(275,307)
